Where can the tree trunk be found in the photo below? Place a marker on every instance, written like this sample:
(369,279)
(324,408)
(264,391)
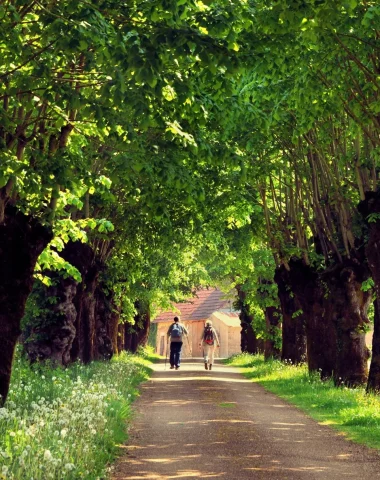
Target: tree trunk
(51,334)
(335,308)
(293,321)
(371,206)
(128,337)
(349,316)
(81,256)
(138,334)
(273,321)
(321,338)
(113,327)
(104,344)
(249,342)
(72,328)
(373,384)
(121,337)
(22,239)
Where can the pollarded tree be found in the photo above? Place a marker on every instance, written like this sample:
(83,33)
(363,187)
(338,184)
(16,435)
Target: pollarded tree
(61,92)
(333,102)
(294,174)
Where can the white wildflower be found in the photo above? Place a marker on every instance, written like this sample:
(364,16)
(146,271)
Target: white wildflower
(47,455)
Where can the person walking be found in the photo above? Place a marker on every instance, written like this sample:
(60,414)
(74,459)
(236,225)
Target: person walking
(209,341)
(175,333)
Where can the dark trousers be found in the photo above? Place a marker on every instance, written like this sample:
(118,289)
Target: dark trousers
(175,353)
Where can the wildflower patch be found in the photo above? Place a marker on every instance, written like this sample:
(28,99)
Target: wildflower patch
(67,423)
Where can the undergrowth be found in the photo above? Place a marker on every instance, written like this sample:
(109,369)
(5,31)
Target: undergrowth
(67,423)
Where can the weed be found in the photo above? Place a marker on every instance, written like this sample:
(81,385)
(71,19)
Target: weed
(67,423)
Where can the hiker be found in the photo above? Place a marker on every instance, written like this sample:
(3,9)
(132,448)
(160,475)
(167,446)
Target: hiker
(175,332)
(209,341)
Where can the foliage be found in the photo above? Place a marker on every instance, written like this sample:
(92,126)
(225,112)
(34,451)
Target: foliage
(66,423)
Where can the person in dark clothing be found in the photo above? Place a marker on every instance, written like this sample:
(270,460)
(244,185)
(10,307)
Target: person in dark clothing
(175,333)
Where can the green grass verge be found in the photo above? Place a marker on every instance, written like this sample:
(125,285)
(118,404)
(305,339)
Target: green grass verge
(351,411)
(68,423)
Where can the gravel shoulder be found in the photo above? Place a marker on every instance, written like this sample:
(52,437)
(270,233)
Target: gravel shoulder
(194,423)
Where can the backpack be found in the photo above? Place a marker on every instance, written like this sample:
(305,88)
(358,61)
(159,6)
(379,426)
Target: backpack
(176,330)
(208,335)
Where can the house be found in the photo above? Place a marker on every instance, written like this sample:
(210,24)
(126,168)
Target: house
(208,304)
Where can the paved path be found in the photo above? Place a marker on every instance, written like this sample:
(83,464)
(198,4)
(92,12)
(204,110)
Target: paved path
(193,423)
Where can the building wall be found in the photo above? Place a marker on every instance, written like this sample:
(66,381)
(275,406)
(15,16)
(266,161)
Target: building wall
(234,340)
(222,332)
(229,338)
(162,340)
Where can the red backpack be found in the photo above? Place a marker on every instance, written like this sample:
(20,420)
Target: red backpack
(208,335)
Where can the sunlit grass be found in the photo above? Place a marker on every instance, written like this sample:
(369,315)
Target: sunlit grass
(350,411)
(67,423)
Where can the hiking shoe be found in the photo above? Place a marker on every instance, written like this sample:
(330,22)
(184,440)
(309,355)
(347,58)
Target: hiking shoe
(210,366)
(177,367)
(206,366)
(171,367)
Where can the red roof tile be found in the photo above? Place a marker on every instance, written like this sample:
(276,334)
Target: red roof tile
(199,307)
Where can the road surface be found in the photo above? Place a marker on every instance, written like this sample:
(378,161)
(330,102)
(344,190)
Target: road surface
(197,424)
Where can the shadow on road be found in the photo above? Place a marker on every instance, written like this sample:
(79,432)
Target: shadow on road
(194,423)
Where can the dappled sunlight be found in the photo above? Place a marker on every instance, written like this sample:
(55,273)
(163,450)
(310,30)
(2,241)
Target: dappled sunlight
(149,447)
(220,425)
(202,378)
(206,422)
(289,424)
(279,428)
(342,456)
(174,403)
(178,458)
(180,474)
(283,469)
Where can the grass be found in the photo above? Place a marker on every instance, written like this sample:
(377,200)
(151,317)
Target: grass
(67,423)
(350,411)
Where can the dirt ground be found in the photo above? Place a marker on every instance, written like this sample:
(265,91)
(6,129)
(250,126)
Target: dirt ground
(194,423)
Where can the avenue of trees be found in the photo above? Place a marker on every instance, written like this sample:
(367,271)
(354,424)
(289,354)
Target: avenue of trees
(151,147)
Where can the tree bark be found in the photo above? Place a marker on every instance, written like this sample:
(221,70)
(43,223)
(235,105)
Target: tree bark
(113,327)
(249,342)
(82,324)
(371,205)
(137,334)
(321,341)
(293,320)
(121,337)
(350,319)
(105,329)
(335,308)
(22,239)
(373,384)
(82,256)
(51,335)
(273,324)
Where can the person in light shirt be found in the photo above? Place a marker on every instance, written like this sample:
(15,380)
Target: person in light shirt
(209,341)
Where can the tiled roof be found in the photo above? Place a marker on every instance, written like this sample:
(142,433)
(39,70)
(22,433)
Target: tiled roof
(199,307)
